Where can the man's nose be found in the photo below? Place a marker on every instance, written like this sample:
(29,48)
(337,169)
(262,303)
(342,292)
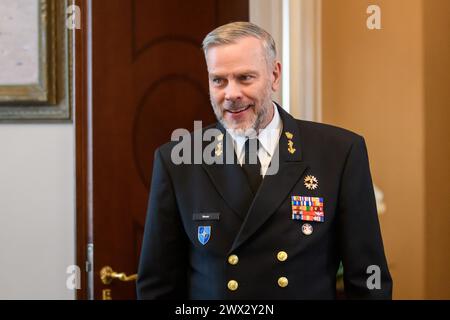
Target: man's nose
(233,91)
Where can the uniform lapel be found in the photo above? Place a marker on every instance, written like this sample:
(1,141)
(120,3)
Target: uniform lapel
(230,180)
(275,188)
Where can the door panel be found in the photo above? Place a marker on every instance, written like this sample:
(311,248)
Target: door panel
(149,78)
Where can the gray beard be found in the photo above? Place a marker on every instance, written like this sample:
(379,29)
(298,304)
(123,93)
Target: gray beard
(261,116)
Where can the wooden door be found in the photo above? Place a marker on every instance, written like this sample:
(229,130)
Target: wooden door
(148,78)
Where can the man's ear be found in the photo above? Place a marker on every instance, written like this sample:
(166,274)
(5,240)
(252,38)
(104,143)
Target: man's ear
(276,76)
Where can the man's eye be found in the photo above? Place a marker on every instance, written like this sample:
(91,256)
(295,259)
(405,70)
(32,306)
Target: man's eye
(246,78)
(217,81)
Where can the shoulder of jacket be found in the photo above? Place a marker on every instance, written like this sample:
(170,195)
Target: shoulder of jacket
(328,132)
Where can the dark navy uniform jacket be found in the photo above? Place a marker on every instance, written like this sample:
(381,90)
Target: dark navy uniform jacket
(255,249)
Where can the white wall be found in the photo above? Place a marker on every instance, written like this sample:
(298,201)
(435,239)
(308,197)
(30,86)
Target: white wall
(268,15)
(37,215)
(295,26)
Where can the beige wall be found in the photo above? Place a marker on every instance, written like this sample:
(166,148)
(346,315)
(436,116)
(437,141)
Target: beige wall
(392,86)
(437,146)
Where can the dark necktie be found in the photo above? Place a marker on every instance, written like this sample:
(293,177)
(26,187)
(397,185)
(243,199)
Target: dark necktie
(251,165)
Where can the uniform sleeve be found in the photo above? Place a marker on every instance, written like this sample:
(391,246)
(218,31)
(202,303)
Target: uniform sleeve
(163,262)
(361,245)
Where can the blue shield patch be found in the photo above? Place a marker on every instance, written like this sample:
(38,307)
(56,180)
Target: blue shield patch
(204,233)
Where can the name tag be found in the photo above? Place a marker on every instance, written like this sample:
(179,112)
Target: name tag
(206,216)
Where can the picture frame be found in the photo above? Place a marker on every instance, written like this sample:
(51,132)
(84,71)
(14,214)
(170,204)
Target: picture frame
(49,96)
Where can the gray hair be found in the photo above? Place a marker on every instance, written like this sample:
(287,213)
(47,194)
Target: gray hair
(229,33)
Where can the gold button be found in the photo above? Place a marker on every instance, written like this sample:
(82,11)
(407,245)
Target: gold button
(282,256)
(233,259)
(233,285)
(283,282)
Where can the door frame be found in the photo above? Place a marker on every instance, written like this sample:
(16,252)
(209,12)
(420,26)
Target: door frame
(82,57)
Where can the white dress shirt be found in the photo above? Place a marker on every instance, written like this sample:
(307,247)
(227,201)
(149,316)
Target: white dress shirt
(268,141)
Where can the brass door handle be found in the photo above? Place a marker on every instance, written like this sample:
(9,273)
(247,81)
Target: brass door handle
(107,274)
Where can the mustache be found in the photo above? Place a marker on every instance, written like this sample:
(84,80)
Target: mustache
(237,105)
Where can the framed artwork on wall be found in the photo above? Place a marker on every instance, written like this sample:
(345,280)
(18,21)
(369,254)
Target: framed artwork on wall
(35,68)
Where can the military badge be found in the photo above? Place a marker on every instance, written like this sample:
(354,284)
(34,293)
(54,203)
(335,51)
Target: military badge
(311,182)
(219,147)
(204,234)
(307,229)
(291,148)
(307,208)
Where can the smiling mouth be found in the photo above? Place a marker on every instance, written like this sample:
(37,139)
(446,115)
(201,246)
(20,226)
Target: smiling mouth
(240,110)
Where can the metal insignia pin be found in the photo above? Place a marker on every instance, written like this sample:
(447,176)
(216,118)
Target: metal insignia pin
(311,182)
(218,149)
(204,234)
(291,148)
(307,229)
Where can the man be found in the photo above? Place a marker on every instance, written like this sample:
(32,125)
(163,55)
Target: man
(221,231)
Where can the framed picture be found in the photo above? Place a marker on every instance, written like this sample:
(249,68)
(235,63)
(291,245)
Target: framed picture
(35,52)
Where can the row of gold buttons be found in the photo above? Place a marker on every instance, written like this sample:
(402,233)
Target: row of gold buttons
(282,282)
(234,259)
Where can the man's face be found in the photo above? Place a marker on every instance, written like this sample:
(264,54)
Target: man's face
(241,82)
